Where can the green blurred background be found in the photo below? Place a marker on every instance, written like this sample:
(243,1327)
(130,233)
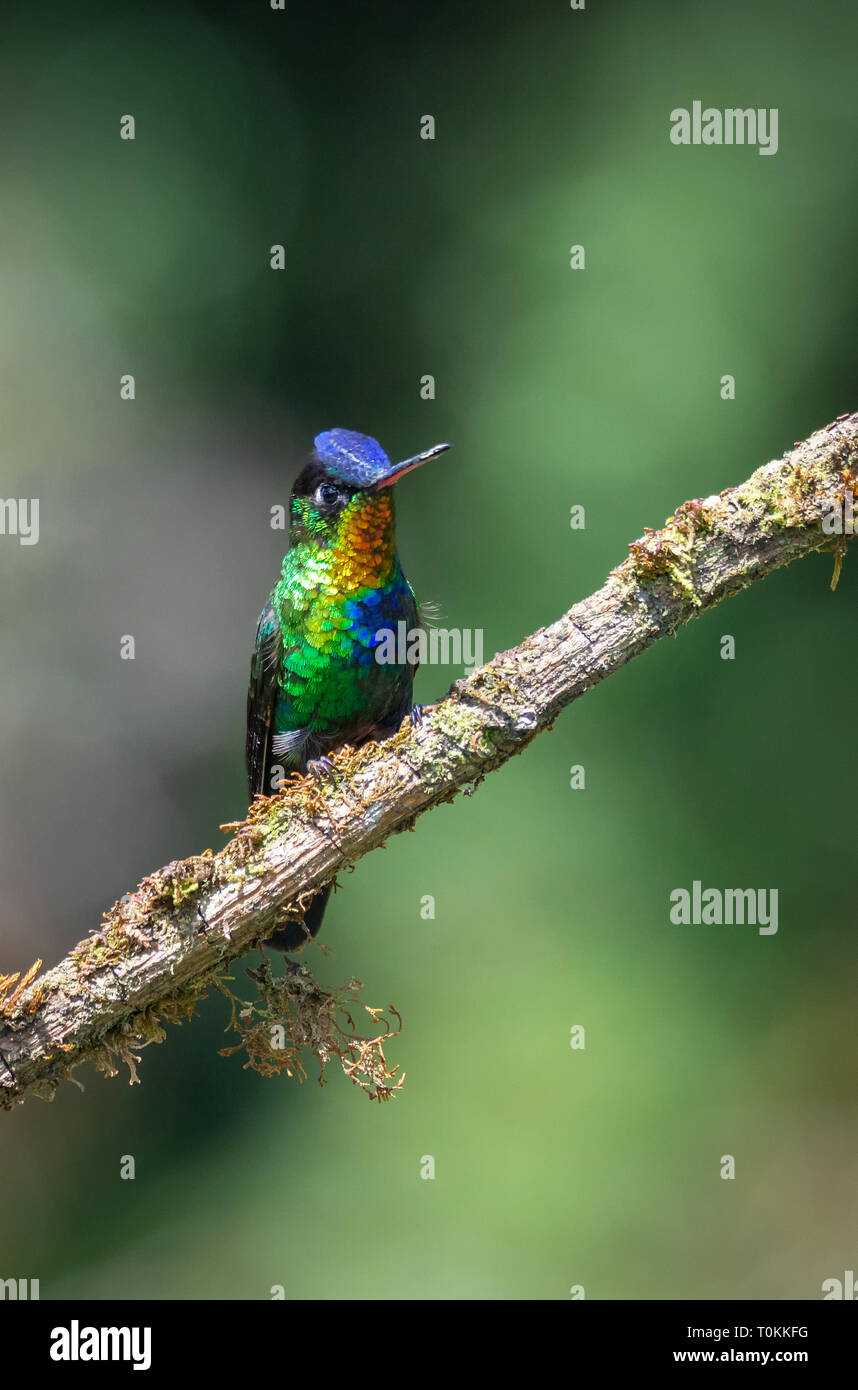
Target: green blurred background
(600,387)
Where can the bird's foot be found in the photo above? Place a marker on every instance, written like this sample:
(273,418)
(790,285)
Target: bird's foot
(323,768)
(418,714)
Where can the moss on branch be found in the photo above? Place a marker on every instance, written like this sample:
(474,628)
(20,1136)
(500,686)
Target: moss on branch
(160,948)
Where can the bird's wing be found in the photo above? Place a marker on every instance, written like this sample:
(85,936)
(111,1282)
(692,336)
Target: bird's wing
(262,698)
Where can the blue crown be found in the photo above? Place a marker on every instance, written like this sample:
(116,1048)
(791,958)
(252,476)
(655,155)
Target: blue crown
(356,458)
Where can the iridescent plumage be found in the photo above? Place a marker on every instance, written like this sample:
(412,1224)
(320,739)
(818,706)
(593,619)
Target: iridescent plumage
(315,682)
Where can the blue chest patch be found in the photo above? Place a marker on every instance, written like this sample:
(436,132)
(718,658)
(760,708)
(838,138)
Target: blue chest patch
(375,612)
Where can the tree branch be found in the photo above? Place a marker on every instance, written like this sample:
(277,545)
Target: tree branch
(162,946)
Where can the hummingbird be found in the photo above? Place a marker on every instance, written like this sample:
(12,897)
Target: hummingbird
(315,682)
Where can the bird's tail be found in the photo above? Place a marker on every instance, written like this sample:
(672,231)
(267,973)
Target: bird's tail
(295,934)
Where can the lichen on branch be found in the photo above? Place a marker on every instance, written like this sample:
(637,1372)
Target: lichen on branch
(160,948)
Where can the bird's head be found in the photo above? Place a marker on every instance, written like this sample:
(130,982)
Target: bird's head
(343,498)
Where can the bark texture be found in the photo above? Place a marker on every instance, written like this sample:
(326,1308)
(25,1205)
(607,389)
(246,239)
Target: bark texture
(161,947)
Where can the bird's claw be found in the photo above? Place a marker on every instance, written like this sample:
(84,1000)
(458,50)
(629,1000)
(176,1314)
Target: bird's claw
(323,768)
(417,715)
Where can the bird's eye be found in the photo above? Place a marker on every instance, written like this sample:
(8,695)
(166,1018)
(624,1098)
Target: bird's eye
(327,494)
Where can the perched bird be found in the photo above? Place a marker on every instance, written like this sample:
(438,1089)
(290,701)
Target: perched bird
(315,682)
